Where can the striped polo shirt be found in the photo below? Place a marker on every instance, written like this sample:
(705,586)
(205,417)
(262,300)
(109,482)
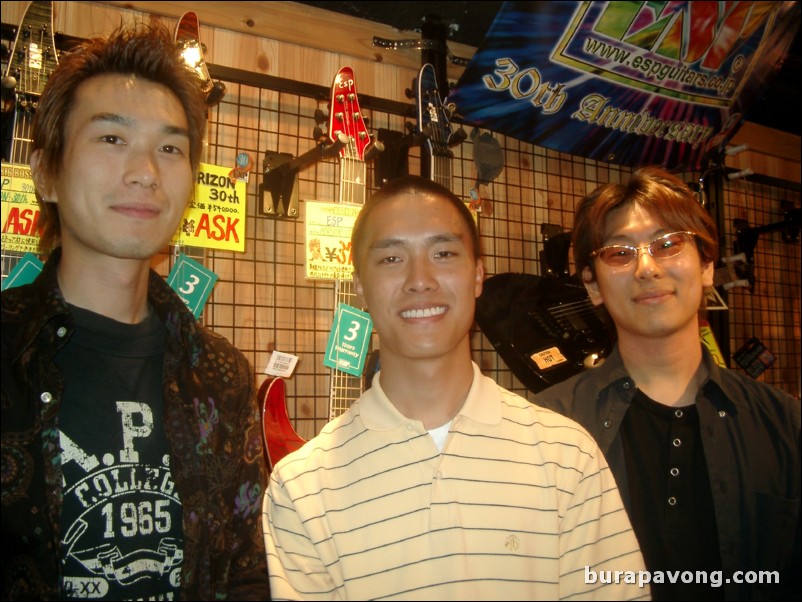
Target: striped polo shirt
(517,505)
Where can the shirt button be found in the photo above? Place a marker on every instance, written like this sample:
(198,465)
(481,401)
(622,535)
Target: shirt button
(608,423)
(674,471)
(61,332)
(46,397)
(626,385)
(672,501)
(722,414)
(677,442)
(678,413)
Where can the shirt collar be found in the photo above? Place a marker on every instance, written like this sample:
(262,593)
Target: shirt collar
(483,404)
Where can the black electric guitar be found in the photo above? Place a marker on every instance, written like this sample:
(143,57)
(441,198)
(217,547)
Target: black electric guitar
(434,129)
(30,63)
(546,329)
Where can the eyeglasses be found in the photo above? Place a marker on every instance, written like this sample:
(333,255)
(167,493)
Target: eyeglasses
(666,246)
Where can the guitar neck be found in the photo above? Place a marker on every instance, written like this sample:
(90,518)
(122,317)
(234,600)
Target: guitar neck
(440,167)
(31,62)
(345,389)
(434,125)
(353,188)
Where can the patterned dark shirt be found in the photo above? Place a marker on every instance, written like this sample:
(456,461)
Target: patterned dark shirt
(213,429)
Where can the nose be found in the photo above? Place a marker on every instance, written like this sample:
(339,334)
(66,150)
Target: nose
(420,276)
(142,169)
(646,266)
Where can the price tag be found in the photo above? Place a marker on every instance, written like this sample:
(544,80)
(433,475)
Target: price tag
(348,341)
(281,364)
(193,283)
(548,358)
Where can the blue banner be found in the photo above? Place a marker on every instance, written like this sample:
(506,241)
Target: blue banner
(632,83)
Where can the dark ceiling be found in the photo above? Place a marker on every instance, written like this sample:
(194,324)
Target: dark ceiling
(468,23)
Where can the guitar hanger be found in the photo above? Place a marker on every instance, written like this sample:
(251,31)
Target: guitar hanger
(432,43)
(746,237)
(280,173)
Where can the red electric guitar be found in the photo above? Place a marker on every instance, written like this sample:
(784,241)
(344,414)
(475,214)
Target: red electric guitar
(187,37)
(348,131)
(346,122)
(279,438)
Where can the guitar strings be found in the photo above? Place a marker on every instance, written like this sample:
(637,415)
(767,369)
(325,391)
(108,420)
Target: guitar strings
(345,388)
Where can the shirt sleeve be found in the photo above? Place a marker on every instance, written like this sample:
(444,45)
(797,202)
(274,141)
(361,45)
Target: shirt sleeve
(600,558)
(296,570)
(247,478)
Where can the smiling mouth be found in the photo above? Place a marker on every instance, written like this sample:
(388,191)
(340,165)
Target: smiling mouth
(652,296)
(429,312)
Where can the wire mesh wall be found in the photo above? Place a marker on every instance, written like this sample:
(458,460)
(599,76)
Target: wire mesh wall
(769,310)
(263,302)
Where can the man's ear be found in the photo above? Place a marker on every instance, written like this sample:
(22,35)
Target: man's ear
(708,274)
(40,180)
(480,278)
(359,290)
(592,286)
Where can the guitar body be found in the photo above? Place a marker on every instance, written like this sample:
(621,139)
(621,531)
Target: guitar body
(279,438)
(33,58)
(545,329)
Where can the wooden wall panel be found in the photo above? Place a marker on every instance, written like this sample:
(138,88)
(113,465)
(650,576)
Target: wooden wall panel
(263,301)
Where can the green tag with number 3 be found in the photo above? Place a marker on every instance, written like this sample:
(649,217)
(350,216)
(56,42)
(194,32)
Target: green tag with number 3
(193,283)
(348,341)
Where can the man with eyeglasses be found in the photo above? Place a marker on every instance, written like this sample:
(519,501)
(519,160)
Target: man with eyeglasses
(707,459)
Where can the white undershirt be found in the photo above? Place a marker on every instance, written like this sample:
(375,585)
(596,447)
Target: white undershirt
(440,434)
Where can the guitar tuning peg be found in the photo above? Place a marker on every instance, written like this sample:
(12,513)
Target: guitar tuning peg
(320,116)
(409,93)
(318,133)
(9,82)
(216,94)
(409,127)
(457,137)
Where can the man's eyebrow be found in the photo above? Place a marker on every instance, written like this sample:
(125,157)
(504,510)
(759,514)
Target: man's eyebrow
(128,122)
(628,240)
(386,243)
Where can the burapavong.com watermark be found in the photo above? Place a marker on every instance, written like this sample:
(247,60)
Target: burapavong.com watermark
(713,578)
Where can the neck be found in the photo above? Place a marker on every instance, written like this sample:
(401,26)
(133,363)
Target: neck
(431,390)
(115,288)
(669,370)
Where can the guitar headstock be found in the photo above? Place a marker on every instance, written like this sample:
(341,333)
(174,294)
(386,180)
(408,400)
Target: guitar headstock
(187,38)
(33,57)
(345,116)
(433,120)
